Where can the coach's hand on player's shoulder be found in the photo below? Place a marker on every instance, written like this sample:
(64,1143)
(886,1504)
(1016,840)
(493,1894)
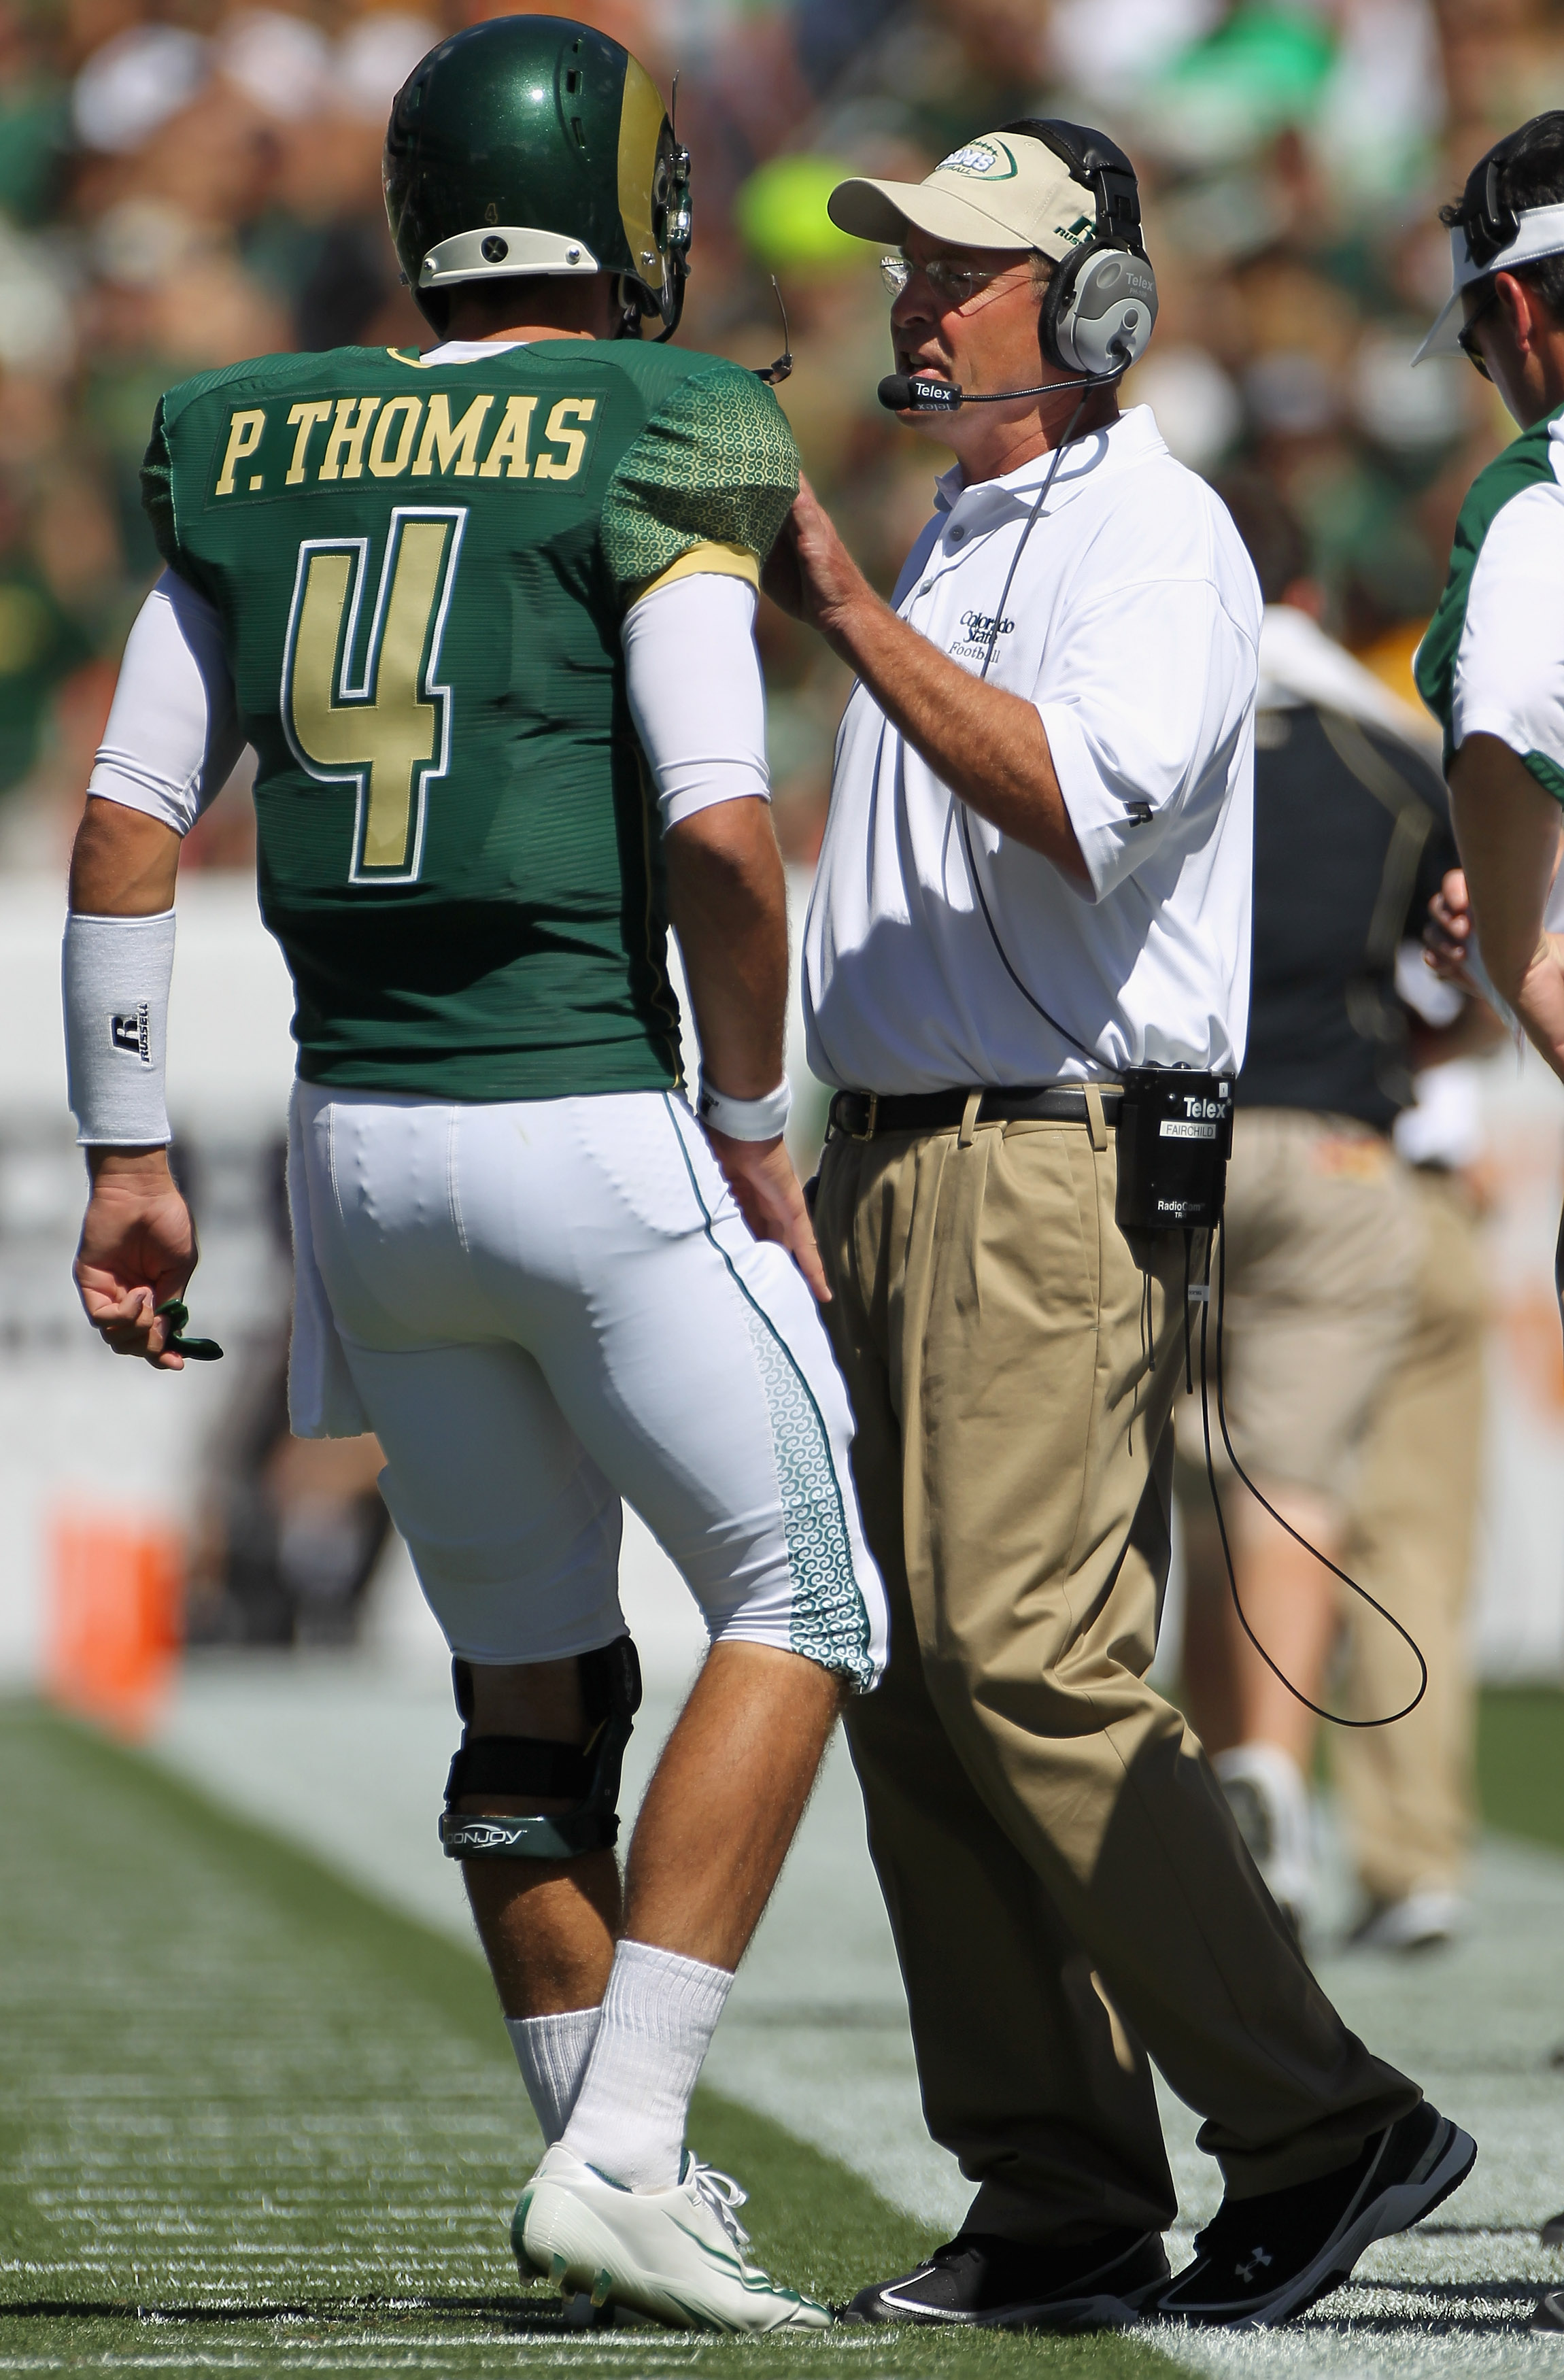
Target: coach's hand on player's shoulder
(810,573)
(137,1250)
(769,1197)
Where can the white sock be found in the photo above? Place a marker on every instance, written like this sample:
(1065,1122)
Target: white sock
(1288,1862)
(552,2052)
(659,2015)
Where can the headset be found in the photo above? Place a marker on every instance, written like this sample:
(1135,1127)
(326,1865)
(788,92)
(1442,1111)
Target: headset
(1487,217)
(1100,306)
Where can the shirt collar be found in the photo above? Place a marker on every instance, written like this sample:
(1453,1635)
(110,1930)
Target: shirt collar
(1087,461)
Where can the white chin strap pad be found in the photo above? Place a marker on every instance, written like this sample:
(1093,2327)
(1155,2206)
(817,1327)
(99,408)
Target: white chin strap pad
(116,972)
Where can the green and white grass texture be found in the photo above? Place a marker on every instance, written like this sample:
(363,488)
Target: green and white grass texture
(251,2122)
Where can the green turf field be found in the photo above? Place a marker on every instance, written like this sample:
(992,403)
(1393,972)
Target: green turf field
(1520,1761)
(251,2122)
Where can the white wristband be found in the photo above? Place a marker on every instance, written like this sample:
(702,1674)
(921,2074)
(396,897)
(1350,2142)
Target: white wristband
(115,974)
(746,1119)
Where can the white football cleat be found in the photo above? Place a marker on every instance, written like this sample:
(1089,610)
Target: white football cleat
(674,2254)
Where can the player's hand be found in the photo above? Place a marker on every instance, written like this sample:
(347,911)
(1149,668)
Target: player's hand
(1448,936)
(768,1196)
(138,1249)
(810,573)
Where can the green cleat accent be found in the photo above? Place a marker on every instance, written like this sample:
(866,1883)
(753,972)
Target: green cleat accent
(675,2255)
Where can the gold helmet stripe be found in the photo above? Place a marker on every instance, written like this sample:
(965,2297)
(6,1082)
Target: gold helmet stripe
(641,119)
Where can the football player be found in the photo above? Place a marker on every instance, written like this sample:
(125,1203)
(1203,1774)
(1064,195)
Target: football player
(486,614)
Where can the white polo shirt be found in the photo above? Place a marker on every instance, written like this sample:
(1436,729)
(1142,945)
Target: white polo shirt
(1134,625)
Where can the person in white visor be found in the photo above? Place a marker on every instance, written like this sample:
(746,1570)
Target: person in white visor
(1491,667)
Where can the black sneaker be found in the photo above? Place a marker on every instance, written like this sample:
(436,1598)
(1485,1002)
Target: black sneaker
(1263,2260)
(1549,2315)
(988,2282)
(1552,2234)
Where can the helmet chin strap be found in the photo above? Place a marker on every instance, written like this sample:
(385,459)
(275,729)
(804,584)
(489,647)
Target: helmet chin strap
(629,313)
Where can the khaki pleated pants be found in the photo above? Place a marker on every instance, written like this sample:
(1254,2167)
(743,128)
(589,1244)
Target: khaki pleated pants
(1065,1884)
(1406,1791)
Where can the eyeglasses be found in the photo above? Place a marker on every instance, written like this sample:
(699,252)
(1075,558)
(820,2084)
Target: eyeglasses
(952,283)
(1468,344)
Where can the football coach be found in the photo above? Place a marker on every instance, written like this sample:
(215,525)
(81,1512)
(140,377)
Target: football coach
(1035,874)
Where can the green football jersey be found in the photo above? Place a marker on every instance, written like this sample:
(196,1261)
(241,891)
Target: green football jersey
(1490,658)
(421,571)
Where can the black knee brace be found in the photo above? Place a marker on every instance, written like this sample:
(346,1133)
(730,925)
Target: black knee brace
(518,1766)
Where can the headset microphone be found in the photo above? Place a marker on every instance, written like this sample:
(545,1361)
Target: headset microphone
(899,393)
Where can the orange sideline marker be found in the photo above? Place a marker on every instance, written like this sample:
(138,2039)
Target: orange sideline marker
(116,1619)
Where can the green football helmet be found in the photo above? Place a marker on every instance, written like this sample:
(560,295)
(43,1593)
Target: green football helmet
(534,145)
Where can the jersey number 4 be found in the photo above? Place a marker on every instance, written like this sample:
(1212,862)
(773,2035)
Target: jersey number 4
(384,725)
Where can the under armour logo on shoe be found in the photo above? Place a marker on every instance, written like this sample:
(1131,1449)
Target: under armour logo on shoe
(1258,2256)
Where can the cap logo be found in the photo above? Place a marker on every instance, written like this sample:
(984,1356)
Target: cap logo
(1079,232)
(990,159)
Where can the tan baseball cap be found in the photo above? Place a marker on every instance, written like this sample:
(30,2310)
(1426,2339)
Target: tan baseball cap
(1004,190)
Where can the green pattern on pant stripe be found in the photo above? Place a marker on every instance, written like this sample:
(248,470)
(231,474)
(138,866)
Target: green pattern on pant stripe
(833,1630)
(830,1624)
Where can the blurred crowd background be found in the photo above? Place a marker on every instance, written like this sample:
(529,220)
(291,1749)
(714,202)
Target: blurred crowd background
(182,184)
(185,183)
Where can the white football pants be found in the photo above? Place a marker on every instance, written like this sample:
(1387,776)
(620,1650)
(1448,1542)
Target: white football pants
(548,1305)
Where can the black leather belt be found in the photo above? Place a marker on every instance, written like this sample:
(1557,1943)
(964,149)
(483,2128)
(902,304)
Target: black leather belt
(864,1115)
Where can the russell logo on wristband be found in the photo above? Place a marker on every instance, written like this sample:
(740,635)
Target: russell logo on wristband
(133,1033)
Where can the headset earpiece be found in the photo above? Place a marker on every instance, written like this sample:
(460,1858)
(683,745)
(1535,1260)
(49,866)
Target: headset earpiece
(1100,306)
(1489,221)
(1098,310)
(1501,224)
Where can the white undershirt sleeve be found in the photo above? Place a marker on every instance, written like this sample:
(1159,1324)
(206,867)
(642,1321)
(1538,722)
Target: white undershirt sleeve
(173,733)
(696,695)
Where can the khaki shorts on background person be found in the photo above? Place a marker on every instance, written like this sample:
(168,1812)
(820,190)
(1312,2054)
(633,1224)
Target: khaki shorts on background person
(1323,1235)
(1353,1368)
(1406,1791)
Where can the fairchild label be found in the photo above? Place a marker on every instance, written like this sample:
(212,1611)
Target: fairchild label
(1175,1129)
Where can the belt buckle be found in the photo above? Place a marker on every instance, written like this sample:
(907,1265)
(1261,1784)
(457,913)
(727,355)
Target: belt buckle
(872,1101)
